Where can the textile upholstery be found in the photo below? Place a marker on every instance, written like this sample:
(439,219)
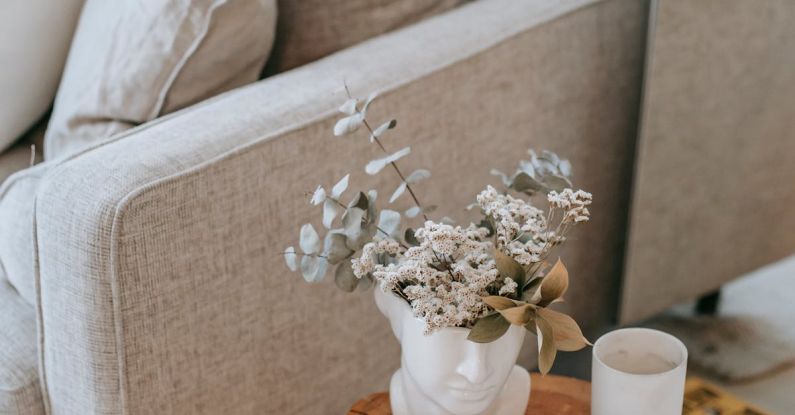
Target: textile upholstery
(311,29)
(162,289)
(716,161)
(132,61)
(20,393)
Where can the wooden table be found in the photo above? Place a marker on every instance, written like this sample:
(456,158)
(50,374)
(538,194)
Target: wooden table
(551,395)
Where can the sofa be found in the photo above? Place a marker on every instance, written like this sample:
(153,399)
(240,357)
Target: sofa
(160,285)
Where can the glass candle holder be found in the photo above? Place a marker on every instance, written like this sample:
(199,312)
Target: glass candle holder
(638,371)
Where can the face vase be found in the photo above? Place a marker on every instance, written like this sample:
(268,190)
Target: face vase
(445,374)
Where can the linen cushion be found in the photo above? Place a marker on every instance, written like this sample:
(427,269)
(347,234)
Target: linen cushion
(20,392)
(310,29)
(34,41)
(134,60)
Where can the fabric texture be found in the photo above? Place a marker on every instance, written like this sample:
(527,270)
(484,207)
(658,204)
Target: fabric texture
(162,287)
(311,29)
(134,60)
(34,41)
(20,391)
(716,159)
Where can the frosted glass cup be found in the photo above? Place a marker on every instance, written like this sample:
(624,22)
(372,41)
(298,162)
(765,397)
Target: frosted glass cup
(638,371)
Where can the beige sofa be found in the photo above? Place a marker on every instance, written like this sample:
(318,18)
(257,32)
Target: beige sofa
(160,287)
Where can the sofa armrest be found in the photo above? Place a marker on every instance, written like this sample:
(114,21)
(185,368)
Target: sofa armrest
(161,284)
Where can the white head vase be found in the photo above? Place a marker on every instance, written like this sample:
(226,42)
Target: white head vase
(445,374)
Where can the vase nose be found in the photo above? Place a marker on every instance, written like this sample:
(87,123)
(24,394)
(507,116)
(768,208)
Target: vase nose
(474,368)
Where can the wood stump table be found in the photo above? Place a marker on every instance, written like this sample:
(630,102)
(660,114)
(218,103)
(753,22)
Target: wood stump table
(550,395)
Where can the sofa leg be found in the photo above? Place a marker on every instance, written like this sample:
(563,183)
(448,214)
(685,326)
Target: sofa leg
(708,303)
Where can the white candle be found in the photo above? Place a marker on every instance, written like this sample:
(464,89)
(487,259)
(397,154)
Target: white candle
(638,371)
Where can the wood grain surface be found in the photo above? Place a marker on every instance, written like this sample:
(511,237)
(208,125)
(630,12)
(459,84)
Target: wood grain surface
(551,395)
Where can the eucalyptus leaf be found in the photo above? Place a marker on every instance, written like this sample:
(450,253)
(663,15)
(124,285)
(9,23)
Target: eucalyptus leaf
(360,201)
(376,166)
(348,124)
(565,168)
(522,182)
(399,191)
(352,222)
(488,328)
(319,196)
(556,183)
(505,180)
(429,208)
(349,107)
(447,220)
(413,212)
(290,258)
(567,334)
(365,283)
(378,132)
(313,268)
(417,176)
(546,346)
(389,221)
(340,187)
(368,101)
(309,239)
(330,211)
(344,277)
(334,247)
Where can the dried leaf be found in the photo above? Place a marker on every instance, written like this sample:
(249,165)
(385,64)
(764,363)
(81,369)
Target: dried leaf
(348,124)
(417,176)
(488,328)
(567,334)
(349,107)
(330,211)
(378,132)
(413,212)
(509,268)
(546,346)
(335,248)
(340,187)
(399,191)
(309,240)
(290,258)
(519,315)
(498,302)
(389,221)
(376,166)
(344,277)
(554,284)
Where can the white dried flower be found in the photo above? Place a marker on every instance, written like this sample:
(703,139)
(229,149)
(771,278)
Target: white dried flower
(573,203)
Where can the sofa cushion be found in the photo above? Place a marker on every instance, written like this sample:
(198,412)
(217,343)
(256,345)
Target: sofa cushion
(310,29)
(134,60)
(34,41)
(20,392)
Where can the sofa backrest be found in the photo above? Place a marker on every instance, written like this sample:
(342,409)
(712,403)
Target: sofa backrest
(310,29)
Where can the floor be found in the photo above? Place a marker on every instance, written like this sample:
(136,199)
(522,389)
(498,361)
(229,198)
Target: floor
(773,299)
(776,285)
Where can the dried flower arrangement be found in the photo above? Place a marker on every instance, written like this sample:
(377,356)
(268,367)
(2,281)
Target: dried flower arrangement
(484,276)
